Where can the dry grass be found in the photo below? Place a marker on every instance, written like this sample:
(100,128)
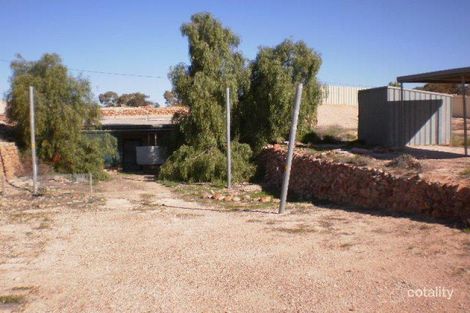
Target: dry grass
(298,229)
(12,299)
(187,215)
(458,140)
(405,162)
(346,245)
(249,199)
(465,173)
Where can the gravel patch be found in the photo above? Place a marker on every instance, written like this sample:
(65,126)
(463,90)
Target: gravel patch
(142,256)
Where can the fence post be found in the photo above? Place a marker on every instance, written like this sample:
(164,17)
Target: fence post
(229,151)
(33,140)
(290,152)
(90,179)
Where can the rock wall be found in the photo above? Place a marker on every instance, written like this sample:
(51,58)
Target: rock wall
(366,187)
(10,164)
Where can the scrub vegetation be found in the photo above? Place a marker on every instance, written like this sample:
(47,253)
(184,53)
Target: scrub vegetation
(262,93)
(63,106)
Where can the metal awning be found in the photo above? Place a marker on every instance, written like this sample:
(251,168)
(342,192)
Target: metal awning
(450,76)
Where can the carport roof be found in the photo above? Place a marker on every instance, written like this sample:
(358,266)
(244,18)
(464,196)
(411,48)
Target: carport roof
(455,75)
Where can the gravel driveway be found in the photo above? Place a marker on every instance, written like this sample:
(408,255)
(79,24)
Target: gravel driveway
(144,250)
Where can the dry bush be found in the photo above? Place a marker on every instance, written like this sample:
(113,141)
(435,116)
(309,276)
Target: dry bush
(465,173)
(406,162)
(357,160)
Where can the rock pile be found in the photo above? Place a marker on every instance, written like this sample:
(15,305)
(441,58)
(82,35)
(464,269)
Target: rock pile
(367,187)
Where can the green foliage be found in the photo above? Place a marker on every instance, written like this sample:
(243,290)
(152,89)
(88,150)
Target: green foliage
(170,98)
(63,107)
(265,111)
(311,138)
(192,164)
(333,134)
(109,99)
(454,89)
(89,155)
(136,99)
(215,65)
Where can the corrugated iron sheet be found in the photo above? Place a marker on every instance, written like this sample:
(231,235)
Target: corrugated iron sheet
(423,118)
(340,94)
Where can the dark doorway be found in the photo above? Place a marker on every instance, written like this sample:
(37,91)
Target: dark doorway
(129,157)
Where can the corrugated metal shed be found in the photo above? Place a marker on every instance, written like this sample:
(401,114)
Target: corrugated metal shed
(423,118)
(340,94)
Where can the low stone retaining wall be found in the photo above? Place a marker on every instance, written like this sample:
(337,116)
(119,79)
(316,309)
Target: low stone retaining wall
(10,164)
(366,187)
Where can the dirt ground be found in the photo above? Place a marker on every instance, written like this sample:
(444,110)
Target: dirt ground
(439,163)
(136,246)
(339,114)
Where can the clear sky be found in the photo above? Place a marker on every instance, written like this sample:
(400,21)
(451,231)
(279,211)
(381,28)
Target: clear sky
(365,43)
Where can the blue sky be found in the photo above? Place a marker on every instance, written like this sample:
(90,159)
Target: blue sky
(366,43)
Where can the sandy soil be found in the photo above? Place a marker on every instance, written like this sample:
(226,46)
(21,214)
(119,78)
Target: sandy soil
(142,249)
(441,164)
(458,126)
(343,115)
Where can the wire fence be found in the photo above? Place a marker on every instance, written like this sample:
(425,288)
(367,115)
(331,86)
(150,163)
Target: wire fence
(50,183)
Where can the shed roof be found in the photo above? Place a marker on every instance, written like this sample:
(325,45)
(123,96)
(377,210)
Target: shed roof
(454,75)
(143,116)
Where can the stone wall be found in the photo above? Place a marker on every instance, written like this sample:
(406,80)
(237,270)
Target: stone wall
(366,187)
(10,163)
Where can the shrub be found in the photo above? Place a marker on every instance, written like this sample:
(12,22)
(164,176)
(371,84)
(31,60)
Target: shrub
(266,107)
(333,134)
(64,105)
(458,141)
(311,138)
(465,173)
(215,65)
(358,160)
(406,162)
(192,164)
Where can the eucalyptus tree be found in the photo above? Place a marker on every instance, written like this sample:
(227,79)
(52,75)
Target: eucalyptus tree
(215,64)
(64,106)
(266,109)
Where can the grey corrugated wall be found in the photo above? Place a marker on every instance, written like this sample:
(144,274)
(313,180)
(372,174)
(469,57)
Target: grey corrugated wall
(340,94)
(424,118)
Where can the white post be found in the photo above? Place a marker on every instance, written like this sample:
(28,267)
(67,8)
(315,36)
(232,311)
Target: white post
(229,151)
(464,117)
(33,140)
(290,152)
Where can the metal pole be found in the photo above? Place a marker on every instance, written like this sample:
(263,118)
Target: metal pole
(3,185)
(290,152)
(464,117)
(229,151)
(90,179)
(399,130)
(33,139)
